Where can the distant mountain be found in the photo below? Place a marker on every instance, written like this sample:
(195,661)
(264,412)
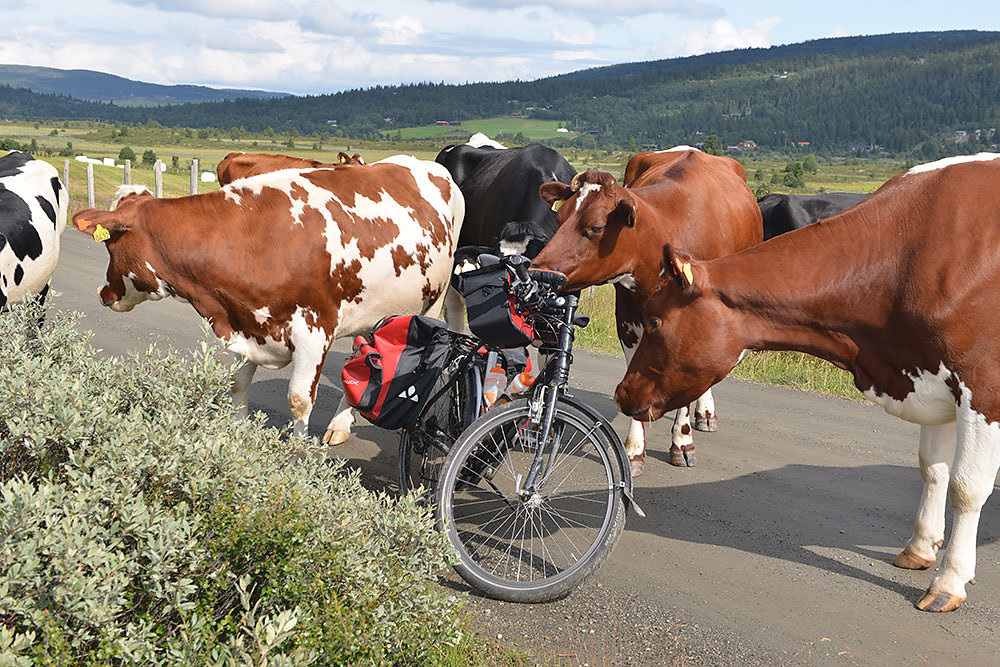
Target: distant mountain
(100,87)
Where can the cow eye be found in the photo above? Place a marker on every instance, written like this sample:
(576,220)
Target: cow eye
(654,323)
(596,229)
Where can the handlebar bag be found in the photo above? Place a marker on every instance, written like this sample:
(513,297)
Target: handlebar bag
(389,380)
(494,314)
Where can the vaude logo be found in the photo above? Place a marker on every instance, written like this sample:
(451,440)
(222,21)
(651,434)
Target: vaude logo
(410,393)
(352,381)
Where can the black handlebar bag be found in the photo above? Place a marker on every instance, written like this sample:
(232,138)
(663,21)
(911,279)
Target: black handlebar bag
(389,380)
(493,312)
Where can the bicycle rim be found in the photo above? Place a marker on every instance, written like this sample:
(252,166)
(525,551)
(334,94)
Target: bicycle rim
(530,547)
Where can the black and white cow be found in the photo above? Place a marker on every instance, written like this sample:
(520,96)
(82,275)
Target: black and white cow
(503,209)
(33,204)
(783,213)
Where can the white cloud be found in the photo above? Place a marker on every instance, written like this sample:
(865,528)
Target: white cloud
(695,8)
(837,31)
(265,10)
(587,36)
(721,35)
(402,30)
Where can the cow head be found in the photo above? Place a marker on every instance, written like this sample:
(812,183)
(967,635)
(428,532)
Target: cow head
(130,279)
(596,240)
(684,348)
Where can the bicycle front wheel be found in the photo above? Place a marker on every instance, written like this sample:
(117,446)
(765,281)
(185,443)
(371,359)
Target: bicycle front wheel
(531,546)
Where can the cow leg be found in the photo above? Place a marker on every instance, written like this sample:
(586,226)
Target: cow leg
(307,365)
(241,387)
(977,460)
(681,441)
(629,322)
(339,428)
(704,413)
(937,451)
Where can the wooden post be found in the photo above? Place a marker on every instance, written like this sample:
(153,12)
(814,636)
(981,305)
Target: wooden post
(128,172)
(90,185)
(158,177)
(66,175)
(194,176)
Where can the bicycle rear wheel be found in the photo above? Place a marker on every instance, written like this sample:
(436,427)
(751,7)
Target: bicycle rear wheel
(423,448)
(530,547)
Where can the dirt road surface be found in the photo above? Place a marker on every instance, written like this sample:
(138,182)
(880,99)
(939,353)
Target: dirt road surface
(775,549)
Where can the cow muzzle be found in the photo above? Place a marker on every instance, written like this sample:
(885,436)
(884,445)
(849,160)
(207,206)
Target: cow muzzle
(635,403)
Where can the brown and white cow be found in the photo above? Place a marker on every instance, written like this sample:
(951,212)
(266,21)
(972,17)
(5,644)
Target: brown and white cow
(612,233)
(902,290)
(282,264)
(243,165)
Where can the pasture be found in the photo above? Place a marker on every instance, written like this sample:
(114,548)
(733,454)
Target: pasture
(534,130)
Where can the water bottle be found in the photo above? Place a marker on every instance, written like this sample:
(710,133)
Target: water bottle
(495,381)
(520,384)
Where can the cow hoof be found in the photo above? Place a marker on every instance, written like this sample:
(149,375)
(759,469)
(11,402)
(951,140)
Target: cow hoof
(690,460)
(334,438)
(638,464)
(908,560)
(939,601)
(677,457)
(708,423)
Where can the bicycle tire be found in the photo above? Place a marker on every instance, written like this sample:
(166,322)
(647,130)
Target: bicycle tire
(478,487)
(422,448)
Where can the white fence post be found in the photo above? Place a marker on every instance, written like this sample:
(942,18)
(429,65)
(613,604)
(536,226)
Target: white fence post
(158,177)
(90,185)
(194,176)
(128,172)
(66,175)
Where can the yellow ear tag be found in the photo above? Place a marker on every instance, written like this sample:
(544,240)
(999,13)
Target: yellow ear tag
(557,204)
(686,270)
(343,160)
(101,234)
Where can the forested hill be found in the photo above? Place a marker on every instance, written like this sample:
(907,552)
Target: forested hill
(97,86)
(902,92)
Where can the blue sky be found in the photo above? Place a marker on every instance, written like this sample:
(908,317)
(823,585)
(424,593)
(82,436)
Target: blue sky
(315,47)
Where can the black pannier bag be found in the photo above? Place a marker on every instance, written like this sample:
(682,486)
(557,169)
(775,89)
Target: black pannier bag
(494,314)
(391,378)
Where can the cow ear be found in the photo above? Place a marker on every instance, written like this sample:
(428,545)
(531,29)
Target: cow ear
(626,209)
(678,265)
(99,224)
(343,157)
(555,193)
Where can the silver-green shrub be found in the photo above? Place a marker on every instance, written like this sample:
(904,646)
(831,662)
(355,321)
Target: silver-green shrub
(141,522)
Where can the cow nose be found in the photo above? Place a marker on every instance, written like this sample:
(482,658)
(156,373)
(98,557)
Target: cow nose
(624,398)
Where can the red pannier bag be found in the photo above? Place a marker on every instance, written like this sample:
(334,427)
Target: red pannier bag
(391,378)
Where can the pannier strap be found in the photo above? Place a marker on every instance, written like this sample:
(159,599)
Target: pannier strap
(549,277)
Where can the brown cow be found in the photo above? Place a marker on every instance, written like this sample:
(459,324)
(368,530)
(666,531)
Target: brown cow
(283,263)
(616,234)
(903,291)
(242,165)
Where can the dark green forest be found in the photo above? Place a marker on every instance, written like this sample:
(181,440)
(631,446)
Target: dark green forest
(902,93)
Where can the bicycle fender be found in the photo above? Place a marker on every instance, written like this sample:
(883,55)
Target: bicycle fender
(623,462)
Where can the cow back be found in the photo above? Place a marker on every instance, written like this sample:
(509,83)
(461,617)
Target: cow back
(501,186)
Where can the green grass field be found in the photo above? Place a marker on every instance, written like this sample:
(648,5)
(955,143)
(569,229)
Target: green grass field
(534,130)
(95,140)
